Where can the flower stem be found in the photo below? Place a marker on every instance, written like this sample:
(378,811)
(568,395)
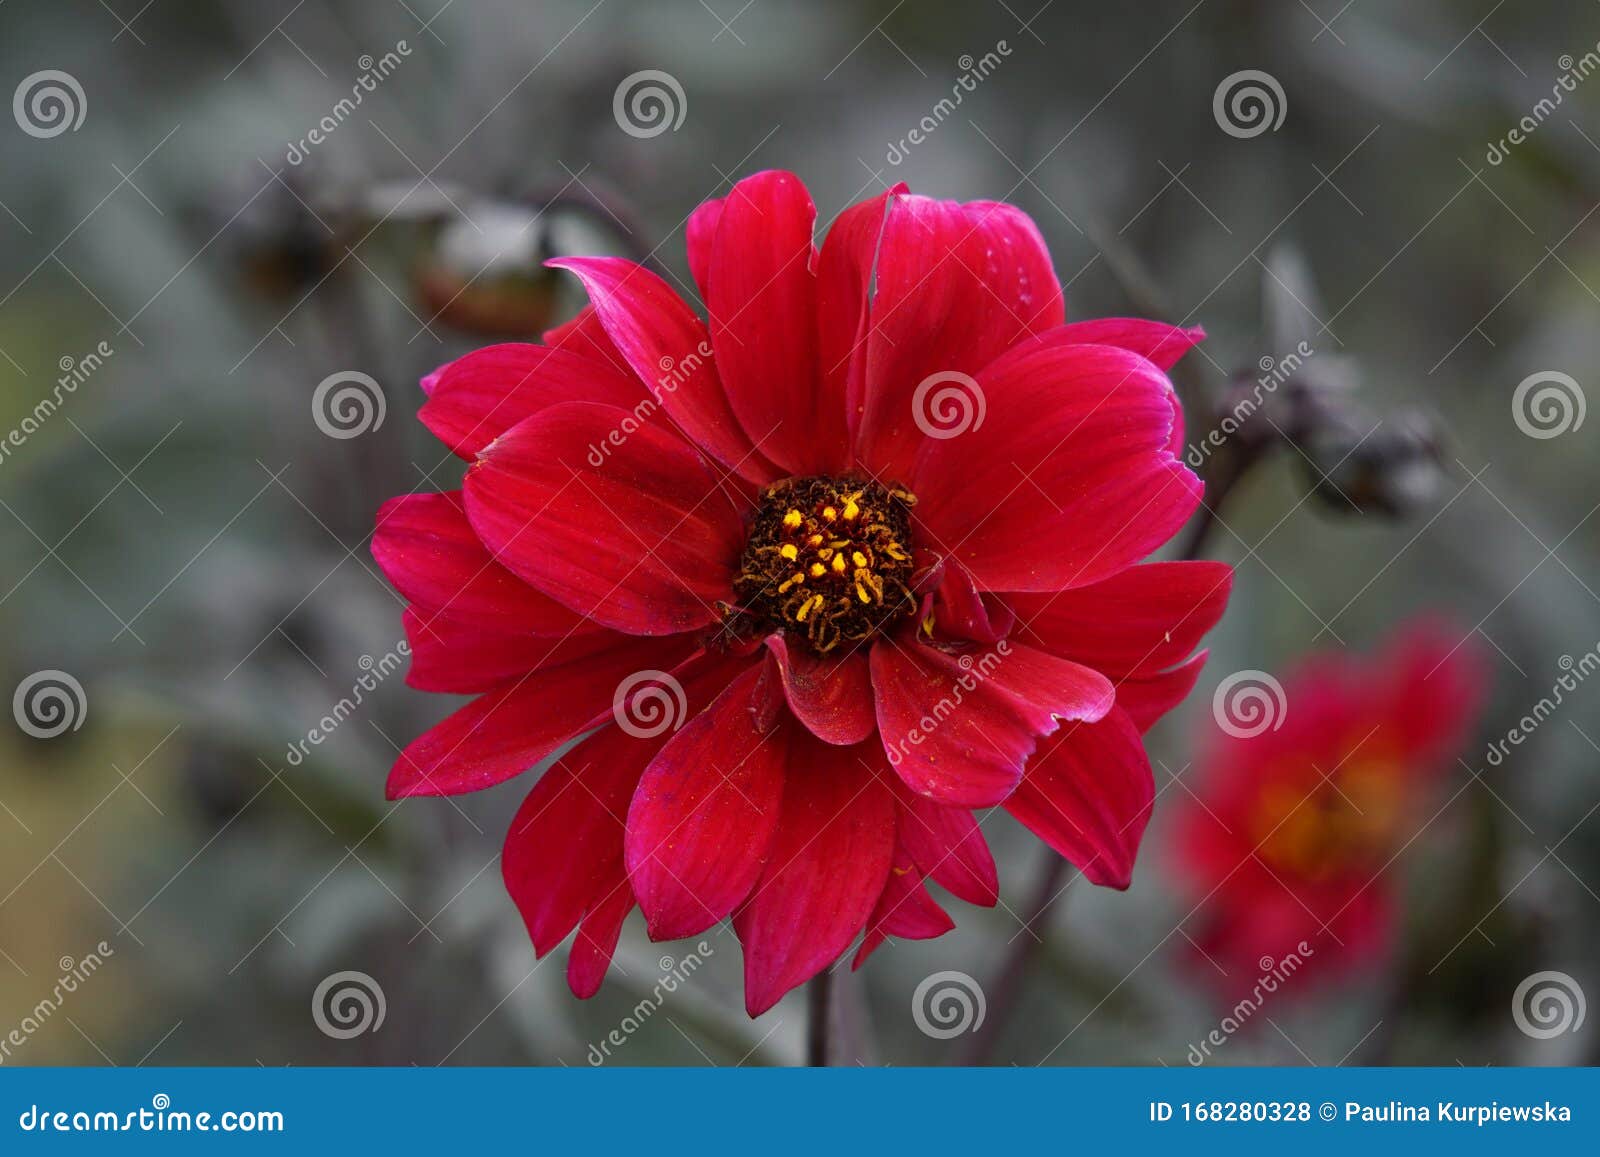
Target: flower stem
(819,1018)
(1011,979)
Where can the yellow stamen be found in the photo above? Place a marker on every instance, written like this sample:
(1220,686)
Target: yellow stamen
(851,510)
(829,513)
(789,551)
(839,564)
(818,570)
(811,604)
(858,558)
(792,519)
(861,592)
(814,540)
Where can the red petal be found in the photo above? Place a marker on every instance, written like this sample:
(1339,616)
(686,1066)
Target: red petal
(699,234)
(1068,480)
(960,734)
(504,732)
(466,656)
(705,810)
(830,694)
(1088,794)
(563,853)
(596,941)
(761,296)
(826,867)
(1155,341)
(426,546)
(1138,621)
(956,285)
(844,277)
(642,542)
(586,337)
(1147,698)
(668,347)
(948,845)
(904,909)
(961,612)
(479,397)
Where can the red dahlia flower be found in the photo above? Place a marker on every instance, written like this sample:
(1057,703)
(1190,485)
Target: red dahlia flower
(1292,829)
(805,627)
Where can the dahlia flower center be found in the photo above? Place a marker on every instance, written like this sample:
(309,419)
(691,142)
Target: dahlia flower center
(828,560)
(1346,822)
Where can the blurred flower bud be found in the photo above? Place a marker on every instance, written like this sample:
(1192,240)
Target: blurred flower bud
(1394,470)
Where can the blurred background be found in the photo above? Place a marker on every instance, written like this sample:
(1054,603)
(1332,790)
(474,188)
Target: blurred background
(201,224)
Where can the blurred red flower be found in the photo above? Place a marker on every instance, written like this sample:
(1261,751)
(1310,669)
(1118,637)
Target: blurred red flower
(1307,798)
(820,578)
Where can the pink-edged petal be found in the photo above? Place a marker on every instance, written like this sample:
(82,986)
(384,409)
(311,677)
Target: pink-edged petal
(596,941)
(948,846)
(586,337)
(830,694)
(670,350)
(638,538)
(482,395)
(427,548)
(1155,341)
(956,286)
(563,852)
(904,909)
(1138,621)
(762,299)
(699,233)
(1088,793)
(1069,479)
(844,281)
(705,809)
(1146,698)
(504,732)
(826,866)
(960,732)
